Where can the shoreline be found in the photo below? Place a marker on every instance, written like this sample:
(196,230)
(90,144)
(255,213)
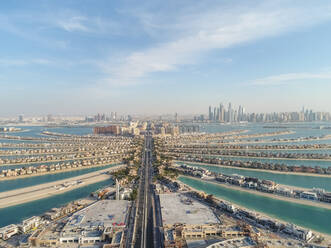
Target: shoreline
(273,196)
(54,161)
(41,191)
(258,135)
(277,149)
(242,141)
(237,135)
(259,212)
(44,153)
(20,131)
(272,158)
(57,171)
(271,141)
(264,149)
(261,170)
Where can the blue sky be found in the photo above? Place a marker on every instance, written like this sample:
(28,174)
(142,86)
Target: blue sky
(87,56)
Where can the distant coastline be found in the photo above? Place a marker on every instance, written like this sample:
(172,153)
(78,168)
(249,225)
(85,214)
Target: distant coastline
(262,170)
(57,171)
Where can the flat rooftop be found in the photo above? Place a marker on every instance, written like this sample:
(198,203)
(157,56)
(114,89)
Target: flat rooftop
(178,208)
(235,243)
(104,213)
(201,243)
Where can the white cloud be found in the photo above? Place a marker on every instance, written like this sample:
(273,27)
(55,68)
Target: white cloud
(24,62)
(75,23)
(216,28)
(28,27)
(290,78)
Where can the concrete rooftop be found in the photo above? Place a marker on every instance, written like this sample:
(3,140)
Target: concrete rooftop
(177,208)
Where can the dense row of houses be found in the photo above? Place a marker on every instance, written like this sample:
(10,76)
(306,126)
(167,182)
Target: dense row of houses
(32,223)
(258,184)
(257,220)
(32,170)
(245,153)
(51,157)
(251,164)
(264,222)
(254,147)
(65,149)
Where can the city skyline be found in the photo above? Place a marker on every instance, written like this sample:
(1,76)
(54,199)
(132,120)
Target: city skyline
(68,58)
(148,124)
(232,114)
(222,113)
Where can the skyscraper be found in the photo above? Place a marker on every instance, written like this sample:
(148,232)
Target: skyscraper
(222,112)
(20,118)
(214,116)
(210,117)
(230,113)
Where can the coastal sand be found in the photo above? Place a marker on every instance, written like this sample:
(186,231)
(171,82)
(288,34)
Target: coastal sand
(238,156)
(262,170)
(274,196)
(243,207)
(55,172)
(24,195)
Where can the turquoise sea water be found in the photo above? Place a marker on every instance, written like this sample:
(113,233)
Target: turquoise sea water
(31,181)
(20,212)
(312,151)
(19,141)
(286,179)
(314,218)
(291,162)
(72,130)
(16,166)
(35,131)
(300,130)
(16,214)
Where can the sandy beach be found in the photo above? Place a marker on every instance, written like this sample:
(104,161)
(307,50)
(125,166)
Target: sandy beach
(243,207)
(274,196)
(28,194)
(55,160)
(54,172)
(271,141)
(272,149)
(238,156)
(262,170)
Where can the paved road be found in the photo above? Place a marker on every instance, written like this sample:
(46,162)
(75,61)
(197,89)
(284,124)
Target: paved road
(144,231)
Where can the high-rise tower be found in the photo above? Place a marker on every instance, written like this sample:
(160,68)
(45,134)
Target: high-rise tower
(210,116)
(230,111)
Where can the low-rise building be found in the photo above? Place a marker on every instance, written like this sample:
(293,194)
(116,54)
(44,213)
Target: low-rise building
(298,232)
(30,223)
(8,231)
(97,223)
(309,195)
(326,197)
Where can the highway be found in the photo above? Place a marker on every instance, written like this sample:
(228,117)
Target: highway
(145,234)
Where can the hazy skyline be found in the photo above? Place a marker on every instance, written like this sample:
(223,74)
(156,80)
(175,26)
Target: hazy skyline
(151,57)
